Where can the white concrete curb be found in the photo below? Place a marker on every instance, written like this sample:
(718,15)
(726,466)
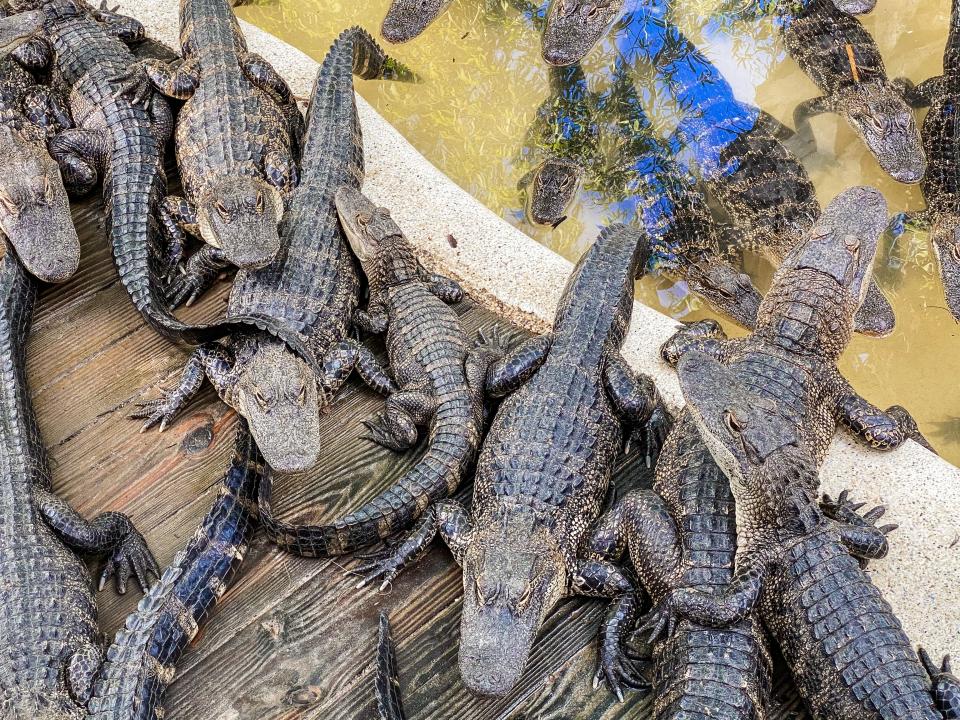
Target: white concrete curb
(506,270)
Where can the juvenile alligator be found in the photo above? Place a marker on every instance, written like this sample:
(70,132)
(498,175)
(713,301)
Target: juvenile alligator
(312,288)
(543,474)
(34,208)
(235,137)
(389,703)
(438,381)
(142,660)
(841,57)
(53,648)
(116,138)
(800,567)
(940,185)
(407,19)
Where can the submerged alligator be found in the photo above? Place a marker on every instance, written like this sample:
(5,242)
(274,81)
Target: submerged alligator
(34,208)
(141,662)
(800,568)
(841,57)
(941,185)
(312,289)
(236,140)
(437,381)
(543,475)
(48,614)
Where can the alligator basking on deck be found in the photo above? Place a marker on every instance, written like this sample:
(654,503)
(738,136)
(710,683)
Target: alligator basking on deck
(843,60)
(941,184)
(798,564)
(543,474)
(236,139)
(437,381)
(141,662)
(34,208)
(53,648)
(312,288)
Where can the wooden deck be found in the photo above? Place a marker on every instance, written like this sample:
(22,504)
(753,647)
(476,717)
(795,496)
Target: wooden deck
(292,638)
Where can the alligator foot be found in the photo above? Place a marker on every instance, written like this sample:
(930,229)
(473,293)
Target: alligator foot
(379,432)
(660,621)
(131,556)
(122,27)
(197,276)
(858,531)
(704,336)
(946,685)
(909,426)
(134,85)
(171,402)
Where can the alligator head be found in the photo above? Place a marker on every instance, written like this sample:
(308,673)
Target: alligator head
(728,290)
(573,27)
(855,7)
(277,393)
(753,442)
(551,189)
(241,216)
(17,29)
(882,118)
(406,19)
(828,273)
(945,238)
(34,209)
(513,575)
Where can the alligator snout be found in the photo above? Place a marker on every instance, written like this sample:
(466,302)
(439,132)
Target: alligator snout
(489,671)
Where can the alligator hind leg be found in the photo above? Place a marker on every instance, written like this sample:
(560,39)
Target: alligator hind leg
(281,170)
(396,427)
(201,271)
(946,685)
(345,357)
(704,336)
(508,372)
(801,119)
(638,403)
(262,74)
(45,108)
(110,532)
(82,671)
(78,151)
(858,532)
(440,285)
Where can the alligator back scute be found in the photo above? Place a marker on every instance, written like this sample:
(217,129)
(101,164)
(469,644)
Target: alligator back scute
(848,651)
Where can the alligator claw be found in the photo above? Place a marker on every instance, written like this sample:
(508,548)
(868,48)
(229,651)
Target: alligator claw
(661,621)
(132,556)
(162,411)
(135,86)
(379,433)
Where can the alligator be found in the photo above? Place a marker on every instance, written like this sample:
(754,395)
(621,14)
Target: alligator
(804,324)
(941,140)
(843,60)
(53,647)
(236,140)
(387,685)
(437,380)
(312,288)
(798,562)
(141,662)
(34,208)
(543,474)
(117,138)
(572,28)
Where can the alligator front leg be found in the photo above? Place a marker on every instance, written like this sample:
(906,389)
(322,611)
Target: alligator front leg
(126,29)
(374,320)
(876,428)
(280,170)
(396,427)
(345,357)
(806,110)
(82,671)
(705,336)
(214,361)
(920,96)
(945,685)
(78,152)
(110,532)
(35,55)
(178,79)
(447,518)
(45,108)
(262,74)
(440,285)
(178,216)
(858,532)
(200,273)
(509,372)
(638,403)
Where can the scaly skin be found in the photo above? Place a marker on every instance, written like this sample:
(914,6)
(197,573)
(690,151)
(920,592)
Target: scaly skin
(116,139)
(543,474)
(48,614)
(407,19)
(389,704)
(940,185)
(800,566)
(142,659)
(437,382)
(311,290)
(841,57)
(235,137)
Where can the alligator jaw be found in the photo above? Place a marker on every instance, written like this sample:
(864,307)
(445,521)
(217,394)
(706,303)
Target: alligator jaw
(241,217)
(573,27)
(17,29)
(407,19)
(555,183)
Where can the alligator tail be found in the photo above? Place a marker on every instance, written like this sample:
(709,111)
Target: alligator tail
(141,661)
(452,449)
(389,705)
(370,62)
(951,58)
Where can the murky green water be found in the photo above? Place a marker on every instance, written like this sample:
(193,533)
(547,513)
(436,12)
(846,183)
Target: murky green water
(484,81)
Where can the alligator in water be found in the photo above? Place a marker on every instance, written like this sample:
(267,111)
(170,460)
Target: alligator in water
(312,288)
(34,208)
(843,60)
(236,139)
(438,381)
(141,662)
(800,567)
(53,648)
(407,19)
(941,184)
(543,474)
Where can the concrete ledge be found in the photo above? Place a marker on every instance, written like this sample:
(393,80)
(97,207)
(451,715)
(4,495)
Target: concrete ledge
(506,270)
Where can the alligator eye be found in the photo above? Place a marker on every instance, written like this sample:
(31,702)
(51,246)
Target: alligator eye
(222,209)
(362,220)
(47,187)
(565,182)
(593,12)
(852,243)
(955,251)
(481,600)
(733,423)
(301,398)
(261,400)
(259,202)
(9,207)
(524,598)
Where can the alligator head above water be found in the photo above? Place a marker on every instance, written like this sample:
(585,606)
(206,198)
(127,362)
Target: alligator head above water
(573,27)
(725,288)
(34,208)
(277,393)
(855,7)
(241,216)
(551,187)
(407,19)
